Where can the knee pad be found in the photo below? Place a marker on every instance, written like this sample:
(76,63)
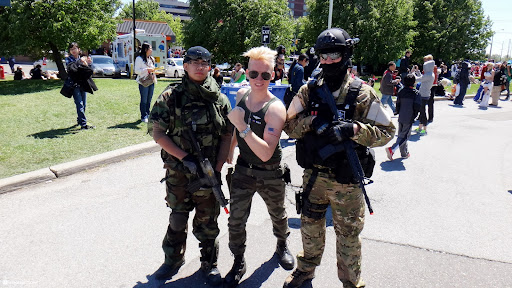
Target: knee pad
(314,211)
(178,220)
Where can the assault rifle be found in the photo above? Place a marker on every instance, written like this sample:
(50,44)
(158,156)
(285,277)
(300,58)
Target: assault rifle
(347,145)
(206,174)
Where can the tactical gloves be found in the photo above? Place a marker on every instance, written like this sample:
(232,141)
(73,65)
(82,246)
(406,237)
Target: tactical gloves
(319,125)
(190,162)
(340,130)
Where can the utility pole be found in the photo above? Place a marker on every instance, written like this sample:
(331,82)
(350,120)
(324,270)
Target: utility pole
(329,21)
(134,42)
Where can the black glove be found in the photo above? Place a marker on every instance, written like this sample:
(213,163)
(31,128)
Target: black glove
(319,125)
(340,131)
(190,162)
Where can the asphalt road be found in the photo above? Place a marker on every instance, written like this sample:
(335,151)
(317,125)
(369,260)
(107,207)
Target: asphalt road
(442,218)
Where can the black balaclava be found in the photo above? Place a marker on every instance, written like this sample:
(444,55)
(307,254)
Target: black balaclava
(334,74)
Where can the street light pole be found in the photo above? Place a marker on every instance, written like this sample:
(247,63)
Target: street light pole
(329,21)
(134,41)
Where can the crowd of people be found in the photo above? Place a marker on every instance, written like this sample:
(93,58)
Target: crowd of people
(494,78)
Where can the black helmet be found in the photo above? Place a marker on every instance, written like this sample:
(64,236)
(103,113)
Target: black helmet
(335,40)
(197,52)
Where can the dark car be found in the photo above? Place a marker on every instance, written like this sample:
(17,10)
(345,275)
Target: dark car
(103,66)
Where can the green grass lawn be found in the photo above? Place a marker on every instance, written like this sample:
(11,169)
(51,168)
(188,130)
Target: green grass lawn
(38,125)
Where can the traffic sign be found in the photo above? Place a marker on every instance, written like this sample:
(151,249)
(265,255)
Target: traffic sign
(265,35)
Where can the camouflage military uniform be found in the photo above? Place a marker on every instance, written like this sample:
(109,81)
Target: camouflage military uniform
(251,175)
(346,200)
(205,109)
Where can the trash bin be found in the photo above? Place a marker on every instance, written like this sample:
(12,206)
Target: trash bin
(231,89)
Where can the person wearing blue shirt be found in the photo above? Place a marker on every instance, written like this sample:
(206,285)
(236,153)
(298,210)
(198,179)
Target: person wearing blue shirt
(297,72)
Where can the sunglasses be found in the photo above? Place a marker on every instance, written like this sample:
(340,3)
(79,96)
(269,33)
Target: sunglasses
(254,74)
(333,55)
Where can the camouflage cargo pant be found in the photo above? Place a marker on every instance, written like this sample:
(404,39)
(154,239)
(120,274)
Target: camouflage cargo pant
(348,210)
(243,187)
(204,224)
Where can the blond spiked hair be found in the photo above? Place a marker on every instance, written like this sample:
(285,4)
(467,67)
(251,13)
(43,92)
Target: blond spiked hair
(262,53)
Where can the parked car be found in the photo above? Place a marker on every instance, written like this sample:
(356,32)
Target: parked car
(103,66)
(174,68)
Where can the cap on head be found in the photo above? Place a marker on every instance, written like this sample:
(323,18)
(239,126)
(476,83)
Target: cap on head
(197,52)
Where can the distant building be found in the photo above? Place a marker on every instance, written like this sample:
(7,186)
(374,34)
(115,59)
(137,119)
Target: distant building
(176,8)
(180,8)
(298,8)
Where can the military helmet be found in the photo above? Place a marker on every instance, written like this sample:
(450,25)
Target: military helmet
(197,52)
(335,40)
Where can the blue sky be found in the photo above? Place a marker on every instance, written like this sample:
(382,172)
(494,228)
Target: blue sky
(500,13)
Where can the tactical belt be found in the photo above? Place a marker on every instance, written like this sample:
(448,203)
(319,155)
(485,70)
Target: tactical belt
(274,171)
(262,167)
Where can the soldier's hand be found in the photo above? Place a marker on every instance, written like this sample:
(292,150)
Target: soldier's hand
(190,162)
(340,131)
(319,125)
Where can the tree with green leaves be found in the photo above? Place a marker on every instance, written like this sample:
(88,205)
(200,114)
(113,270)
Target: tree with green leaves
(451,29)
(227,28)
(150,10)
(385,27)
(46,27)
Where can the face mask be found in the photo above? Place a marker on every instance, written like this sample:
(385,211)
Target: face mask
(334,69)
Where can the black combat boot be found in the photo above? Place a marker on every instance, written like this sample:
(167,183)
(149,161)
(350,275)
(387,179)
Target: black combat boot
(209,252)
(286,259)
(236,273)
(165,272)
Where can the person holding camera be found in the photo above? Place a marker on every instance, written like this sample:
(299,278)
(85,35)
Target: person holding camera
(145,70)
(80,78)
(329,110)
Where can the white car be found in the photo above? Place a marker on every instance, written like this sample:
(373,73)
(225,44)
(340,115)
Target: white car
(174,68)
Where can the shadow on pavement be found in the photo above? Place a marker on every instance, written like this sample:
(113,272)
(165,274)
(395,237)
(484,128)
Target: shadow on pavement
(414,137)
(395,165)
(261,274)
(131,125)
(194,280)
(56,133)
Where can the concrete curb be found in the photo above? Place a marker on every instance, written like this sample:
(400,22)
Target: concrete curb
(30,178)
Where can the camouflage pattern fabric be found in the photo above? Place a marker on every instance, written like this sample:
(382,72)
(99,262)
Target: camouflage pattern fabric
(204,224)
(348,208)
(346,200)
(204,109)
(243,187)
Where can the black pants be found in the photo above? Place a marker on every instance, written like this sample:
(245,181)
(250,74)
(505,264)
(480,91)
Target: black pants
(430,103)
